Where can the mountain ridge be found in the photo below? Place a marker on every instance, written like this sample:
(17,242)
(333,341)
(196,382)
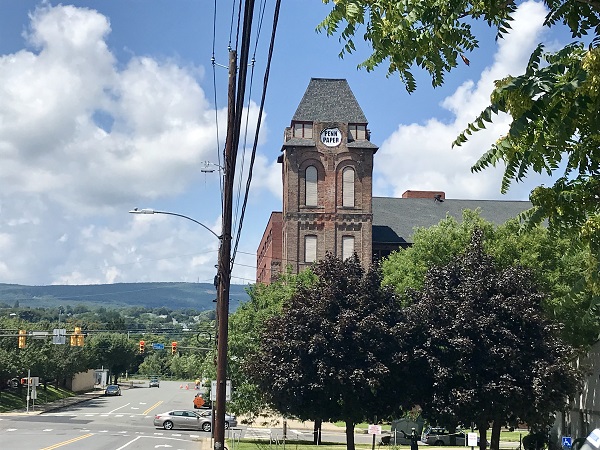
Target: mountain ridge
(173,295)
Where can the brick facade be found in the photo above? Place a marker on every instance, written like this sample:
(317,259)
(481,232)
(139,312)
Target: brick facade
(335,217)
(371,227)
(268,254)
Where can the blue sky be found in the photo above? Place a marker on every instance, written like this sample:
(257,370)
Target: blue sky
(107,105)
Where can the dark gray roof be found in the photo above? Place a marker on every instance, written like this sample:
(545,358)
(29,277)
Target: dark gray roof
(329,100)
(394,219)
(299,142)
(362,143)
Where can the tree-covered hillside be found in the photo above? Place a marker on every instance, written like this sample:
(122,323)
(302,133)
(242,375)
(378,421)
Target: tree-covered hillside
(197,296)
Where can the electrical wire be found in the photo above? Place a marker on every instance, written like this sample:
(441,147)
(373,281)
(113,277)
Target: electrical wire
(216,103)
(243,157)
(259,120)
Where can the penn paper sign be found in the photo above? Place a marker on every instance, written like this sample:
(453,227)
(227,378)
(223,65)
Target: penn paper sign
(331,137)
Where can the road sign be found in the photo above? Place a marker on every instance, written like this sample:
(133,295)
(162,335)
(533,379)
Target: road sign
(472,439)
(59,336)
(567,441)
(374,429)
(158,346)
(213,390)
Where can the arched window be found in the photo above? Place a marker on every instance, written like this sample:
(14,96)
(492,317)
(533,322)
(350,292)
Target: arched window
(348,187)
(347,246)
(310,248)
(311,186)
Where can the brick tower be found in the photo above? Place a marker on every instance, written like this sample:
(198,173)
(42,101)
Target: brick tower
(327,166)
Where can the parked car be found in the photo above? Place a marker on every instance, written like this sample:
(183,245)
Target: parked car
(440,436)
(154,382)
(187,419)
(112,389)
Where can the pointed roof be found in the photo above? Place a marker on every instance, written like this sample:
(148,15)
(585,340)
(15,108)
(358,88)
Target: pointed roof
(329,100)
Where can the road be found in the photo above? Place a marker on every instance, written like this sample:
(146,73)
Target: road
(105,423)
(125,423)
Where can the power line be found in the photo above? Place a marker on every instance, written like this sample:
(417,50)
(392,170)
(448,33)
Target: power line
(259,120)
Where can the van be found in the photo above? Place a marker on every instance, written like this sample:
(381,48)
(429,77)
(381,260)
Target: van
(439,436)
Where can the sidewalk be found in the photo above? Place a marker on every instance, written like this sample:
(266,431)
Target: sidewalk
(277,422)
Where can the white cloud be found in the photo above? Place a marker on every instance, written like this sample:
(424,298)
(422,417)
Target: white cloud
(420,157)
(83,138)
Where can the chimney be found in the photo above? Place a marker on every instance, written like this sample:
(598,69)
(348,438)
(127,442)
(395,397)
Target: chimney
(438,196)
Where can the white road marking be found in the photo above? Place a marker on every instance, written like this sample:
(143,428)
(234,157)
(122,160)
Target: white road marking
(48,429)
(116,409)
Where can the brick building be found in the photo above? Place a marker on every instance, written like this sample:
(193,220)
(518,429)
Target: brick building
(327,168)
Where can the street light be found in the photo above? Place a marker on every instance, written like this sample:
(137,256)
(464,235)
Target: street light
(152,211)
(222,282)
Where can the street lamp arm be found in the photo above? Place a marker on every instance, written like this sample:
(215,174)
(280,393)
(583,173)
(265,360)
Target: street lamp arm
(152,211)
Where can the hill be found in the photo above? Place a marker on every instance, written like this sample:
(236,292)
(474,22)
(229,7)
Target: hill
(199,296)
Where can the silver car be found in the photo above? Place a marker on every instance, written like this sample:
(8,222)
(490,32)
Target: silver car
(187,419)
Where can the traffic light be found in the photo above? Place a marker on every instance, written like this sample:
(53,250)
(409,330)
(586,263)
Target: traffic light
(22,342)
(80,337)
(77,338)
(142,344)
(173,347)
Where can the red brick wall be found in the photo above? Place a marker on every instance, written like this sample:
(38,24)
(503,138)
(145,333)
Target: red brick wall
(424,194)
(268,254)
(329,220)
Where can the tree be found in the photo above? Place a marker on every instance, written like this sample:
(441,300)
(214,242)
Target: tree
(334,352)
(492,355)
(245,327)
(555,264)
(554,106)
(113,351)
(154,364)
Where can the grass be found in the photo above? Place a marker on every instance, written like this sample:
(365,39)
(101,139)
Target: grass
(15,399)
(510,436)
(507,436)
(289,445)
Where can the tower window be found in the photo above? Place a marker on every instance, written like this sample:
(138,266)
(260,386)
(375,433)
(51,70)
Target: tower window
(348,187)
(357,131)
(311,186)
(303,130)
(347,246)
(310,248)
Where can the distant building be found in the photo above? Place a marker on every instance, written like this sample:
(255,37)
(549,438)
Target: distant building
(328,206)
(583,413)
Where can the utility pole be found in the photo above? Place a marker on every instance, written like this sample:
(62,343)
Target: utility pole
(224,271)
(235,106)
